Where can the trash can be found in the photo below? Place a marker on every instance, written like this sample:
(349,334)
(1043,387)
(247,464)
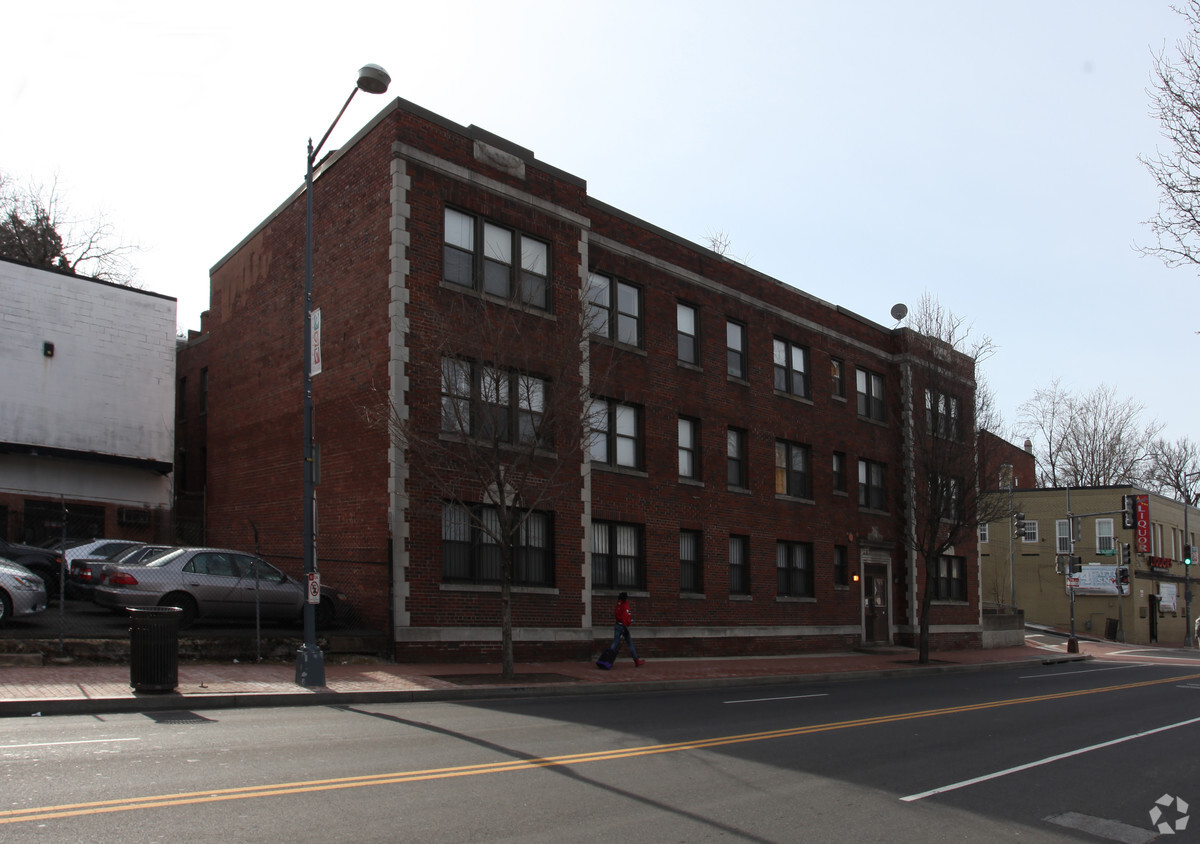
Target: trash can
(154,648)
(1110,629)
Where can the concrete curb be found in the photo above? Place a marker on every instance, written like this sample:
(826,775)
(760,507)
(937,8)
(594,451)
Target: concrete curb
(175,701)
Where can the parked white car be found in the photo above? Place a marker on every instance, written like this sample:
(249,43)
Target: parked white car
(21,591)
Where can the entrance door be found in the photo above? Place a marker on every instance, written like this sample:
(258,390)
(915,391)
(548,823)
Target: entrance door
(1154,618)
(875,605)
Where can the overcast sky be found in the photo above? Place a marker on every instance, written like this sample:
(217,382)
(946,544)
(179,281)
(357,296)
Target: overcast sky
(866,152)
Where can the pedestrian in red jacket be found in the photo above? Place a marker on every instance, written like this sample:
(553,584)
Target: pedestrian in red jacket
(621,629)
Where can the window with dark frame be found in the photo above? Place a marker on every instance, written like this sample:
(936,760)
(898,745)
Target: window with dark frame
(689,448)
(614,309)
(872,492)
(502,262)
(691,569)
(950,583)
(841,567)
(791,368)
(493,404)
(837,369)
(792,474)
(941,414)
(614,433)
(839,471)
(739,565)
(617,556)
(687,331)
(735,347)
(870,395)
(794,570)
(471,554)
(735,450)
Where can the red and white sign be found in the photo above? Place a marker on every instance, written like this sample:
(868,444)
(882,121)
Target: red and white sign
(314,587)
(1141,527)
(315,342)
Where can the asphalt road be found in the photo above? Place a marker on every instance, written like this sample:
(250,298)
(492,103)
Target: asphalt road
(1068,752)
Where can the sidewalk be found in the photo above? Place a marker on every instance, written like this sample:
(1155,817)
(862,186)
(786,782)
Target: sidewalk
(67,689)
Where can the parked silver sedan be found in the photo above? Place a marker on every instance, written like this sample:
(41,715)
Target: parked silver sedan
(214,582)
(21,591)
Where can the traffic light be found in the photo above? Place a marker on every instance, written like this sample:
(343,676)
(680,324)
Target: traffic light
(1123,575)
(1130,517)
(1126,554)
(1187,555)
(1019,526)
(1076,565)
(1076,528)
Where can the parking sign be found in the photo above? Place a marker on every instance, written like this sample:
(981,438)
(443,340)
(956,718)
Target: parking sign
(314,587)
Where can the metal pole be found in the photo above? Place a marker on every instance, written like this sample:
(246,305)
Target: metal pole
(1012,583)
(310,662)
(1187,575)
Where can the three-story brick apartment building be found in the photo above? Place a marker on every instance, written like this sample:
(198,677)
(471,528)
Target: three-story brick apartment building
(741,462)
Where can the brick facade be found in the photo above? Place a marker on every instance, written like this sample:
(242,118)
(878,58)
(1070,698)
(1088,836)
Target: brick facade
(389,316)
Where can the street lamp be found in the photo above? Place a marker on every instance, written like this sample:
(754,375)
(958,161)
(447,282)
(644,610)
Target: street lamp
(310,662)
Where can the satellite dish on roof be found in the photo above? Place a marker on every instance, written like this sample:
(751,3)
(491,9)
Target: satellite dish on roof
(899,311)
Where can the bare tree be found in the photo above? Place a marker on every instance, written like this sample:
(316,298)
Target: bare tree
(36,227)
(1097,439)
(1174,469)
(949,499)
(509,441)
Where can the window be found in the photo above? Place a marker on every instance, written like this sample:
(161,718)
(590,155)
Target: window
(791,368)
(739,565)
(950,584)
(871,492)
(950,490)
(983,532)
(1062,535)
(941,414)
(735,346)
(616,556)
(839,471)
(482,255)
(793,567)
(1104,535)
(614,309)
(791,469)
(690,569)
(614,433)
(870,395)
(689,448)
(837,370)
(492,404)
(204,391)
(735,451)
(686,326)
(1031,531)
(471,554)
(841,571)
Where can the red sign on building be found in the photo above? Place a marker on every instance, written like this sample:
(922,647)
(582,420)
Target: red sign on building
(1141,526)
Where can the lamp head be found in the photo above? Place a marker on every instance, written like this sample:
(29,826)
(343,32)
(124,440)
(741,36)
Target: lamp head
(373,79)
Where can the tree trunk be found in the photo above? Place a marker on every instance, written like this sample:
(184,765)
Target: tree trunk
(508,668)
(923,626)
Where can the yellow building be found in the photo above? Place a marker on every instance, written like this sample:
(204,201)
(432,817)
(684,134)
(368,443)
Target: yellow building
(1026,566)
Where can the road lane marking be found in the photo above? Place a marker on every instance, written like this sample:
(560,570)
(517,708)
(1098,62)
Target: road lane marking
(1046,761)
(43,813)
(63,743)
(1087,671)
(764,699)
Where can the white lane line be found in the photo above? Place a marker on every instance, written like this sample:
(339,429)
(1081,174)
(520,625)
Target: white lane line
(1058,757)
(763,699)
(62,743)
(1086,671)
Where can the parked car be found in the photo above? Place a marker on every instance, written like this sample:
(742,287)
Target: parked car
(97,548)
(21,591)
(214,582)
(48,565)
(85,571)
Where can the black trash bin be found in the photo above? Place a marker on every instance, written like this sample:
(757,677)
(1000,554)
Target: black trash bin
(154,648)
(1110,629)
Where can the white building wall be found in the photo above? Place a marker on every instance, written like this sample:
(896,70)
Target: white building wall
(108,389)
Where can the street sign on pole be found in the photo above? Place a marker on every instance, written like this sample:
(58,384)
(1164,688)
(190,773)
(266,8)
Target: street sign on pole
(315,340)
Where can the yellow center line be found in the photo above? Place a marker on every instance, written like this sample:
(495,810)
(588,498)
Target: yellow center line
(308,786)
